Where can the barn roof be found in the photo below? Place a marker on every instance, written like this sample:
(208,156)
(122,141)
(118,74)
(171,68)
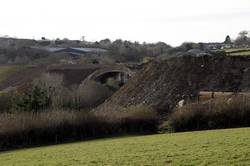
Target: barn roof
(73,50)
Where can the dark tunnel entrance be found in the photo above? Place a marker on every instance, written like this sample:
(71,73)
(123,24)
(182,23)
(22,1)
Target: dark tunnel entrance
(114,79)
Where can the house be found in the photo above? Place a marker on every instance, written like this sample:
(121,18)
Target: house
(218,46)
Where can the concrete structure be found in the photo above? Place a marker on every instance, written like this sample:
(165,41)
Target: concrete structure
(120,74)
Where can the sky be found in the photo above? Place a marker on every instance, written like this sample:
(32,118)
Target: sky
(170,21)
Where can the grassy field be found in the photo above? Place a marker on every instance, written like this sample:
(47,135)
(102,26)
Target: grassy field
(238,51)
(246,53)
(217,147)
(6,70)
(18,75)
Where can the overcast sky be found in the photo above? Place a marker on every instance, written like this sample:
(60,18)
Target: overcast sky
(171,21)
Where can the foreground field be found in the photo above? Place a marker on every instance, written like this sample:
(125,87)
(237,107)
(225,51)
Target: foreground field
(218,147)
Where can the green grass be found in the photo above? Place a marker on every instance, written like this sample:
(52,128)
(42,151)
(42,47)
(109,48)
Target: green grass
(236,49)
(218,147)
(246,53)
(6,70)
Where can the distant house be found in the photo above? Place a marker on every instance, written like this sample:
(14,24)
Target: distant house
(218,46)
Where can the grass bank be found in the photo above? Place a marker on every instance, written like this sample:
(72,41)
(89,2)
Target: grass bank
(238,51)
(214,147)
(7,70)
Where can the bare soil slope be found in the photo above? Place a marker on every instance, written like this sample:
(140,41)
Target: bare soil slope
(162,84)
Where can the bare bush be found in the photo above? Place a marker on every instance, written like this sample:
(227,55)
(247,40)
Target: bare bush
(28,129)
(5,102)
(218,113)
(92,94)
(53,85)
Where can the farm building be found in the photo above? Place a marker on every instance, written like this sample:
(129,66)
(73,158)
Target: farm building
(75,51)
(217,46)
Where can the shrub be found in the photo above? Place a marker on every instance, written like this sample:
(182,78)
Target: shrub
(28,129)
(165,127)
(92,94)
(49,92)
(52,85)
(218,113)
(33,100)
(5,102)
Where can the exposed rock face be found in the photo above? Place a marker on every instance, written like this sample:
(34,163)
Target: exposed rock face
(162,84)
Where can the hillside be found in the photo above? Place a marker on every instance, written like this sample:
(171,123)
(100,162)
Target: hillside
(162,84)
(6,70)
(18,76)
(218,147)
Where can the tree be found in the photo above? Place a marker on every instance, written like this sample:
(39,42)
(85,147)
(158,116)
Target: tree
(105,43)
(189,45)
(228,40)
(243,33)
(53,85)
(34,100)
(243,39)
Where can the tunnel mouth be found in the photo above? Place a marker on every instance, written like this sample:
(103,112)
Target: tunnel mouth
(113,80)
(102,84)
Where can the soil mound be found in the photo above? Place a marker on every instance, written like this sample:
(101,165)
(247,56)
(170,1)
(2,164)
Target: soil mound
(162,84)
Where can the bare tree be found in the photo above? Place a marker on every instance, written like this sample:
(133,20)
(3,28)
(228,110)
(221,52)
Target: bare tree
(243,39)
(53,85)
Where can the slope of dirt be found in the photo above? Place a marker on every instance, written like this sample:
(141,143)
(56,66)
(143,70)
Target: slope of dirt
(22,77)
(162,84)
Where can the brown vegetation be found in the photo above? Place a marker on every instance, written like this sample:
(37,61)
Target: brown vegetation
(205,95)
(29,129)
(224,112)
